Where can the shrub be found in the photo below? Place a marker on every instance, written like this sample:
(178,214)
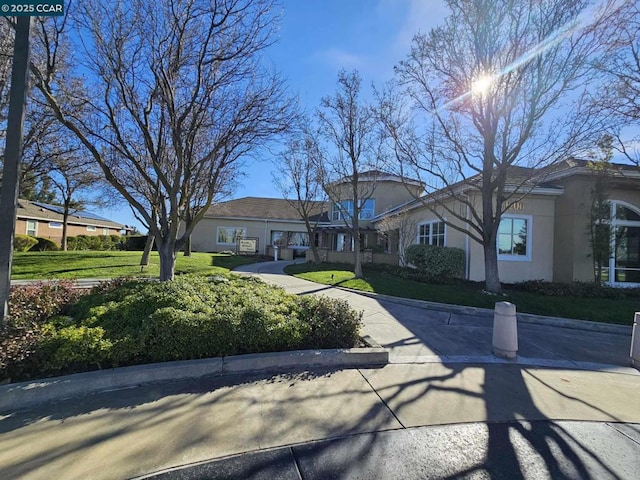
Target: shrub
(575,289)
(34,304)
(30,307)
(331,323)
(94,242)
(45,245)
(128,322)
(137,243)
(436,262)
(72,348)
(23,243)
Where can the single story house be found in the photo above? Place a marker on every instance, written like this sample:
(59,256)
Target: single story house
(43,220)
(268,222)
(542,236)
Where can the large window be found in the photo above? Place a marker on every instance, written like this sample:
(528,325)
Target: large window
(624,264)
(344,210)
(432,233)
(514,238)
(230,235)
(289,239)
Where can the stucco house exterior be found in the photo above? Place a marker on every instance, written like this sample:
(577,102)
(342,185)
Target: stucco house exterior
(381,192)
(543,236)
(43,220)
(270,221)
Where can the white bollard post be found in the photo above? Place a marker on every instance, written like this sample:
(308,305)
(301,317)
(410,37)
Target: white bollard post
(635,341)
(275,253)
(505,330)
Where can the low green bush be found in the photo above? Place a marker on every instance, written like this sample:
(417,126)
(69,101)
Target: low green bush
(575,289)
(137,243)
(128,322)
(436,262)
(71,349)
(45,245)
(30,307)
(23,243)
(94,242)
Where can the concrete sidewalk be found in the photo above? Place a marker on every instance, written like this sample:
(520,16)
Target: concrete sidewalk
(415,332)
(150,428)
(445,408)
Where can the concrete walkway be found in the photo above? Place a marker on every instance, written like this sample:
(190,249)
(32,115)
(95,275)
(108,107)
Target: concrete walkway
(443,409)
(415,332)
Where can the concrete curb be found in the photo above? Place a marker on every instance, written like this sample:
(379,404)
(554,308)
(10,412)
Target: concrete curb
(26,394)
(488,313)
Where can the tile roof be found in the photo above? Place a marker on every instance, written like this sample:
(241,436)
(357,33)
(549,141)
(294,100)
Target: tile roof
(264,208)
(54,213)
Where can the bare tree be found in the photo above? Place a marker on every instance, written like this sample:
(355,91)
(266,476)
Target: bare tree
(166,97)
(501,84)
(623,67)
(40,130)
(402,225)
(350,132)
(298,181)
(74,178)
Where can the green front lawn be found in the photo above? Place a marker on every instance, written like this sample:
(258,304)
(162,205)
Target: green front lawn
(604,310)
(109,264)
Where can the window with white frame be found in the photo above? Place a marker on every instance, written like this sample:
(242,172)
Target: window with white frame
(105,231)
(91,228)
(32,228)
(230,235)
(55,225)
(432,233)
(514,238)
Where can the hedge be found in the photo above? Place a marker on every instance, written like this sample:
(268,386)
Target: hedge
(95,242)
(436,262)
(45,245)
(23,243)
(129,322)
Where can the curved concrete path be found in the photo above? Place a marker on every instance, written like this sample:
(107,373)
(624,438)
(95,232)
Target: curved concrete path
(428,415)
(419,332)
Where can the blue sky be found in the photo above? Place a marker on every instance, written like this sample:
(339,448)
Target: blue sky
(316,39)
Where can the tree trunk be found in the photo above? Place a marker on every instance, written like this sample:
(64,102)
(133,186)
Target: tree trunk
(312,241)
(187,246)
(167,253)
(144,261)
(65,221)
(492,278)
(357,258)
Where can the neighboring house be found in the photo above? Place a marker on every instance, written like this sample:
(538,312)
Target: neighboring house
(43,220)
(270,221)
(543,236)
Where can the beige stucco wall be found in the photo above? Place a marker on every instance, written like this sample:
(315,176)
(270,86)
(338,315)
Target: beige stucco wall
(205,234)
(540,211)
(387,195)
(571,256)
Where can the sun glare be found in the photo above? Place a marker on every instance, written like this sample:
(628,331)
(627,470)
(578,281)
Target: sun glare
(481,85)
